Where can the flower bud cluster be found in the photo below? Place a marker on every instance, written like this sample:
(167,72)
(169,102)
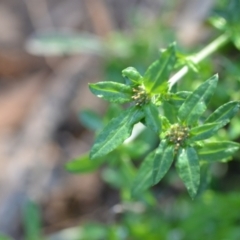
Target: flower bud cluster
(140,96)
(177,135)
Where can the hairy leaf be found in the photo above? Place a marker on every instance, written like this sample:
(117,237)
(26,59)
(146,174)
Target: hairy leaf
(178,98)
(172,105)
(156,76)
(205,177)
(189,169)
(204,131)
(195,105)
(224,113)
(217,151)
(112,91)
(116,132)
(144,179)
(170,111)
(132,74)
(163,159)
(151,117)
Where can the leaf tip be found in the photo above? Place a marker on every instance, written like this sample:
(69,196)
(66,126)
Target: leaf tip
(192,194)
(90,86)
(216,76)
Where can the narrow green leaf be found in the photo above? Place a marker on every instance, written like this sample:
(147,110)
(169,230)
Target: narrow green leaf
(112,176)
(90,120)
(172,104)
(163,159)
(178,98)
(116,132)
(157,75)
(170,111)
(195,105)
(205,177)
(83,164)
(112,91)
(120,176)
(152,117)
(224,113)
(235,36)
(128,171)
(165,123)
(144,179)
(189,169)
(132,74)
(217,151)
(232,13)
(232,16)
(204,131)
(136,149)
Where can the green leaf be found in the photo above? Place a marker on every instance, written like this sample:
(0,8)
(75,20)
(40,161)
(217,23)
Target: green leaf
(172,105)
(233,12)
(218,22)
(189,169)
(112,176)
(112,91)
(204,131)
(132,74)
(195,105)
(224,113)
(205,177)
(165,123)
(127,170)
(178,98)
(136,149)
(157,75)
(90,120)
(116,132)
(217,151)
(83,164)
(163,159)
(170,112)
(152,117)
(144,177)
(236,36)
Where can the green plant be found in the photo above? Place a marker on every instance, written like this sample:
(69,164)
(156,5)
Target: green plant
(179,123)
(156,121)
(177,118)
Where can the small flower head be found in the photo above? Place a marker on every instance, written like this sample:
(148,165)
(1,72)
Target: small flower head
(140,96)
(177,135)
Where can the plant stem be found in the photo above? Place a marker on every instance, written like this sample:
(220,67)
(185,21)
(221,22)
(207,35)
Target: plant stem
(205,52)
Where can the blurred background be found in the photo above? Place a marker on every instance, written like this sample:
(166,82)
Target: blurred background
(49,51)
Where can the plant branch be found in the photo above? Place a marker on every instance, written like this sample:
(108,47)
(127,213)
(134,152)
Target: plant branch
(205,52)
